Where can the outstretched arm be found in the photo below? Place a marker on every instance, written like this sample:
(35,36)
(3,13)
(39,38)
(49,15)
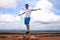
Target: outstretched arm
(22,14)
(35,9)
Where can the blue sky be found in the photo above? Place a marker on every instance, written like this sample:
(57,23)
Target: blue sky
(19,6)
(56,4)
(46,18)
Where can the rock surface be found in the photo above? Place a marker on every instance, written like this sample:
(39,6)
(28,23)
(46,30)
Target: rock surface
(31,36)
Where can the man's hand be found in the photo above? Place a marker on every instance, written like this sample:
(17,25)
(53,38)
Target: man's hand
(39,9)
(22,14)
(19,15)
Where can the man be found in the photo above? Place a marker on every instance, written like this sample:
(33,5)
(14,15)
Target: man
(27,16)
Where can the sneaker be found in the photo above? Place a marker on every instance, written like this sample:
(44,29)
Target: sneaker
(27,32)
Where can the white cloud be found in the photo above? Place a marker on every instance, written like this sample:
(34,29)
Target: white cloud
(8,3)
(44,4)
(9,18)
(39,26)
(45,15)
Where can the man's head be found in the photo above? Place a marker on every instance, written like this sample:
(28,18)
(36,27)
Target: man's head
(26,6)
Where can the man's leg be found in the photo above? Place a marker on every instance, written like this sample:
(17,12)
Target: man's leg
(27,26)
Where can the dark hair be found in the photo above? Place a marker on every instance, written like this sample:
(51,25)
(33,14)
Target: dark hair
(26,5)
